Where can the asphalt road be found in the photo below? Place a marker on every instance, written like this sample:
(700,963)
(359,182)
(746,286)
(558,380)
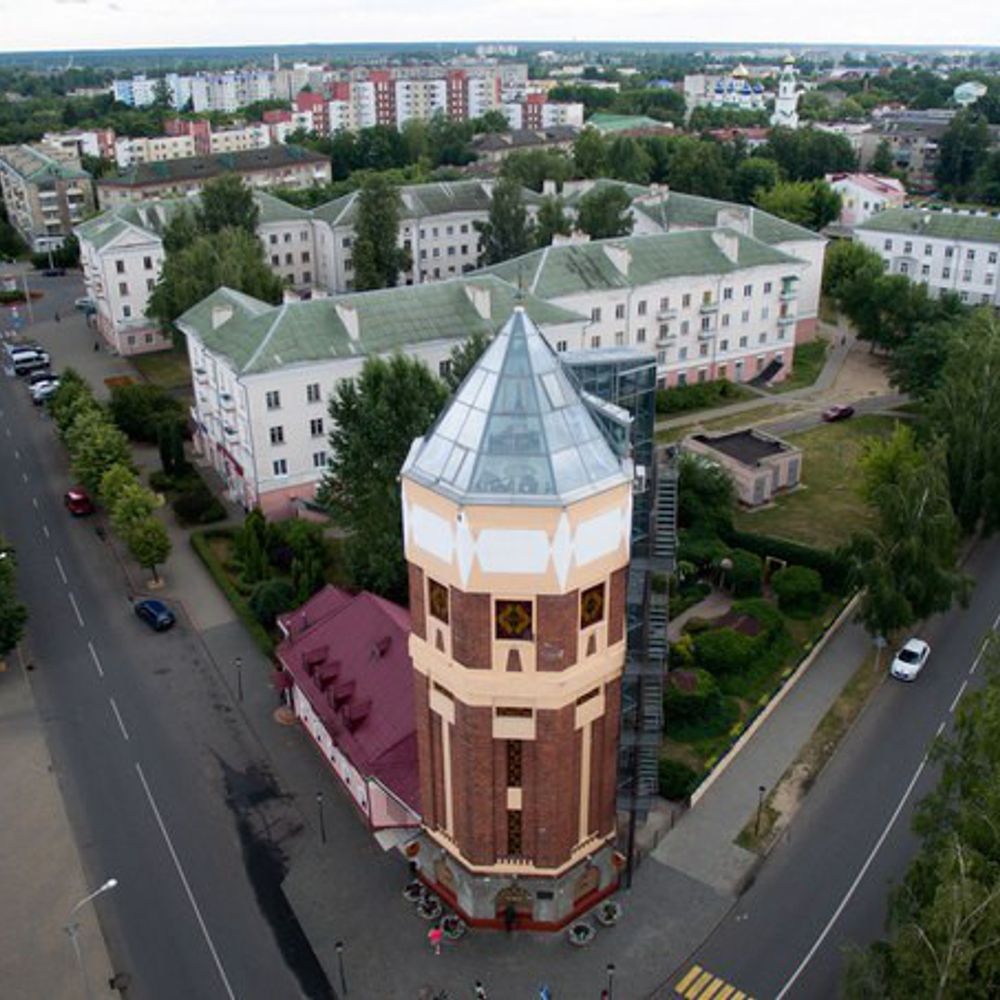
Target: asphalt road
(162,785)
(826,885)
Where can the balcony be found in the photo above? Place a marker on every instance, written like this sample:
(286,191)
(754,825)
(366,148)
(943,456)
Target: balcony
(707,334)
(665,314)
(706,308)
(786,321)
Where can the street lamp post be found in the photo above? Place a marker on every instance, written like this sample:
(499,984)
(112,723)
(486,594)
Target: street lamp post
(322,821)
(238,663)
(340,964)
(611,980)
(760,805)
(72,928)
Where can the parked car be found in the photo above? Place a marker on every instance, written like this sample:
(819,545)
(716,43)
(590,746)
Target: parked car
(78,501)
(85,304)
(155,614)
(44,391)
(42,375)
(838,412)
(26,362)
(910,660)
(53,272)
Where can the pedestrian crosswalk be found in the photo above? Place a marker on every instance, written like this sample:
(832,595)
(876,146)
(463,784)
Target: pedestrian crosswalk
(699,984)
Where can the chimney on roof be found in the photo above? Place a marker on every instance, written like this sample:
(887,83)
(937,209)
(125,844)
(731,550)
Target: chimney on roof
(220,315)
(549,187)
(620,257)
(348,315)
(479,296)
(728,243)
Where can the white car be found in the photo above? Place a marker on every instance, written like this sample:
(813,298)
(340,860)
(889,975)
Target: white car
(43,390)
(910,660)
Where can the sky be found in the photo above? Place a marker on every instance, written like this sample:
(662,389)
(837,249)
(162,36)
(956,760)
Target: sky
(27,25)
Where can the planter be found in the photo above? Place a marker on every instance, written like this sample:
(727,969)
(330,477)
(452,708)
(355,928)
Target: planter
(429,908)
(608,913)
(414,891)
(580,934)
(454,927)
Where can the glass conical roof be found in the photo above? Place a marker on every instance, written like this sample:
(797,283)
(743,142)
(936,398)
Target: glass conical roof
(516,430)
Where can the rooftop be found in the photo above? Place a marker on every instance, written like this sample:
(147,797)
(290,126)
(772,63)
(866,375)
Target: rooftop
(517,430)
(747,447)
(197,167)
(33,165)
(605,122)
(257,337)
(943,224)
(871,182)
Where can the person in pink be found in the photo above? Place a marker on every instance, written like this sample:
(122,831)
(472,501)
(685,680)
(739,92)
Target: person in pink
(435,936)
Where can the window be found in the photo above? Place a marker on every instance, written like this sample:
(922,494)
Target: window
(147,263)
(762,339)
(465,248)
(437,600)
(686,300)
(887,245)
(723,345)
(436,252)
(423,255)
(595,315)
(703,350)
(595,342)
(346,241)
(280,466)
(908,247)
(273,399)
(275,260)
(131,340)
(640,335)
(122,288)
(990,277)
(514,762)
(967,274)
(305,256)
(150,284)
(306,277)
(319,459)
(727,294)
(513,621)
(743,341)
(781,333)
(682,354)
(277,434)
(904,268)
(619,338)
(925,270)
(664,304)
(126,312)
(592,606)
(444,368)
(289,259)
(451,251)
(706,298)
(464,227)
(450,230)
(721,371)
(661,357)
(992,257)
(619,312)
(561,345)
(682,379)
(685,326)
(120,266)
(945,272)
(641,308)
(747,291)
(970,254)
(312,392)
(514,839)
(949,252)
(316,427)
(664,330)
(287,237)
(725,319)
(706,322)
(304,236)
(928,249)
(767,287)
(273,238)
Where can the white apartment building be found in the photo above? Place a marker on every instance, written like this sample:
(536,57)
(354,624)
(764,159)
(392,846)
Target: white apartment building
(138,92)
(238,140)
(948,251)
(865,195)
(153,150)
(262,374)
(420,99)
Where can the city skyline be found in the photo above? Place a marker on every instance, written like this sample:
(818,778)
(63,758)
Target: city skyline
(102,24)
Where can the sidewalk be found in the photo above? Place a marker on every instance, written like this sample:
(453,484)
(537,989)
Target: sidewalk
(40,869)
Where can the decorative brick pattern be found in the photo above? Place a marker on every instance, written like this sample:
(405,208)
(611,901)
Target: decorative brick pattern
(471,629)
(417,609)
(423,723)
(557,630)
(476,782)
(607,764)
(616,606)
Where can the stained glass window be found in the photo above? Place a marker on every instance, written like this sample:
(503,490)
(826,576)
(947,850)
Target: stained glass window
(513,620)
(438,600)
(592,606)
(515,843)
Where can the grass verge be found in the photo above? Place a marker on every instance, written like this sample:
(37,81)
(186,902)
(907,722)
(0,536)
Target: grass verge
(745,418)
(783,800)
(168,369)
(808,363)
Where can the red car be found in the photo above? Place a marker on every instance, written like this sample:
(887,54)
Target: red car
(838,412)
(78,502)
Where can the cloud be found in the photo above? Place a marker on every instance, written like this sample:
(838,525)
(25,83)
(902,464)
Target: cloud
(81,2)
(114,6)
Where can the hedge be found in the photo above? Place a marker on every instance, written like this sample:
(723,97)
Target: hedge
(799,590)
(698,396)
(200,543)
(676,779)
(690,696)
(831,566)
(747,573)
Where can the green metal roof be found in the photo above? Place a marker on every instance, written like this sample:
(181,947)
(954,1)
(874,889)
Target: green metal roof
(606,122)
(275,210)
(573,268)
(944,225)
(259,337)
(34,165)
(573,198)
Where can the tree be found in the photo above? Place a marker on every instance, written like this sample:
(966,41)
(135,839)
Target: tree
(964,410)
(962,151)
(227,203)
(906,566)
(140,407)
(506,232)
(271,598)
(808,154)
(378,258)
(812,204)
(882,162)
(95,445)
(605,212)
(531,168)
(132,505)
(706,495)
(232,257)
(590,153)
(753,175)
(13,614)
(698,167)
(462,358)
(148,543)
(916,363)
(375,420)
(181,230)
(847,266)
(550,220)
(251,546)
(114,482)
(628,161)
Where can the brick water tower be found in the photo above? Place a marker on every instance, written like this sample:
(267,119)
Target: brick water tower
(517,513)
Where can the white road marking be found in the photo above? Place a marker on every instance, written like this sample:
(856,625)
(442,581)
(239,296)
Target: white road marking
(184,882)
(118,716)
(62,572)
(24,476)
(34,502)
(93,656)
(79,617)
(996,622)
(7,429)
(940,729)
(17,454)
(958,696)
(45,528)
(854,885)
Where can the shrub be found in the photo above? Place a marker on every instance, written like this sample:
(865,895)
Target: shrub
(695,625)
(747,573)
(196,504)
(723,650)
(139,408)
(799,590)
(690,696)
(682,653)
(676,779)
(697,396)
(269,599)
(832,566)
(704,550)
(160,481)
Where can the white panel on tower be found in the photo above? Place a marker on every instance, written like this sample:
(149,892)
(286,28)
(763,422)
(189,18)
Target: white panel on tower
(598,536)
(431,532)
(505,550)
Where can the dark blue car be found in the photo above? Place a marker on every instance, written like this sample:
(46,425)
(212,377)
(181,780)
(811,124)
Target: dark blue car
(154,613)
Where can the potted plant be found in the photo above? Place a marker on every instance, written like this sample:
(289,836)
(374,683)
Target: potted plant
(429,908)
(453,926)
(608,913)
(413,891)
(580,934)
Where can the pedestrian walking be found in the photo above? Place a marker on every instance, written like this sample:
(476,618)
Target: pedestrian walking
(509,917)
(435,936)
(97,345)
(57,318)
(480,991)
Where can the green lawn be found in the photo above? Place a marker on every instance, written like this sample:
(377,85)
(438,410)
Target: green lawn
(747,418)
(169,369)
(807,365)
(826,510)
